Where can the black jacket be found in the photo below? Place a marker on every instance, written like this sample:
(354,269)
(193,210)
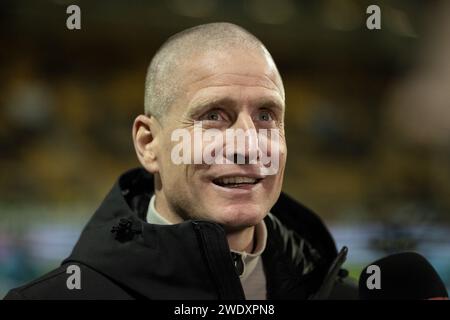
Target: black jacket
(120,256)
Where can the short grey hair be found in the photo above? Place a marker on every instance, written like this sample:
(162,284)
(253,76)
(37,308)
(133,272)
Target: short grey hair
(162,85)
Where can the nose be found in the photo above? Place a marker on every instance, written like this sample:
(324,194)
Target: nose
(242,142)
(244,121)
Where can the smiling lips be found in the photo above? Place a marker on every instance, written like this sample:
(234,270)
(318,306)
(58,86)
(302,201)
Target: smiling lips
(236,181)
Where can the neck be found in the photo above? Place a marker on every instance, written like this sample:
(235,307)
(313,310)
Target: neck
(242,240)
(161,206)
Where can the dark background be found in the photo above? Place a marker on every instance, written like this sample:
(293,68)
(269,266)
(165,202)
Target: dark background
(367,118)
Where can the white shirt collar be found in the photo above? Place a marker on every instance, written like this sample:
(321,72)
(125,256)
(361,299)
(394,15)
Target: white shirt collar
(153,216)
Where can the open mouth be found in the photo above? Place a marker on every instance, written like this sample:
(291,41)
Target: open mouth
(236,182)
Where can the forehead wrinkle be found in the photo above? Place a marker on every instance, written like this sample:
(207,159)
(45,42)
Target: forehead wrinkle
(240,85)
(261,84)
(217,96)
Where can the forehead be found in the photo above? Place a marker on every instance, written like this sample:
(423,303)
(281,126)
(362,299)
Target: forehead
(235,73)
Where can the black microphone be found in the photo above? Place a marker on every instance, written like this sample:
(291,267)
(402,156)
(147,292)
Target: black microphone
(401,276)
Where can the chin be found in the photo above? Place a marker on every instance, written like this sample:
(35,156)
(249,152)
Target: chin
(235,217)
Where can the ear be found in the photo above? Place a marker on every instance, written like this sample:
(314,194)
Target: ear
(145,139)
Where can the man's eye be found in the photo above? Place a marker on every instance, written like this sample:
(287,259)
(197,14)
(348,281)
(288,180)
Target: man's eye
(213,116)
(264,116)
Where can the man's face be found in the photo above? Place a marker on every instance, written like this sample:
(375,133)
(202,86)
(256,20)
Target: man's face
(223,90)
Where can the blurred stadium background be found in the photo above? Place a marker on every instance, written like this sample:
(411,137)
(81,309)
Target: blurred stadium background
(368,117)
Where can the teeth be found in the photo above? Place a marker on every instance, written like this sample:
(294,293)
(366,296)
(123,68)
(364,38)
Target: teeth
(236,180)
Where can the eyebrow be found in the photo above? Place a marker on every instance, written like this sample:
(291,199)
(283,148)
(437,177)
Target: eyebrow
(210,104)
(270,104)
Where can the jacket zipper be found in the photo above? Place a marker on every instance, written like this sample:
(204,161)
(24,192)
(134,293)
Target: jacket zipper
(218,257)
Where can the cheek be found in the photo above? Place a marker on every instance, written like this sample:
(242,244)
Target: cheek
(274,184)
(172,174)
(282,150)
(282,158)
